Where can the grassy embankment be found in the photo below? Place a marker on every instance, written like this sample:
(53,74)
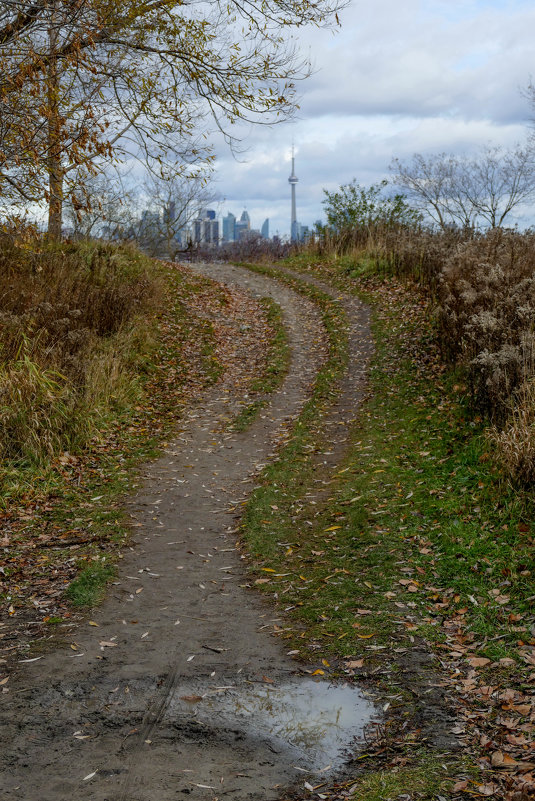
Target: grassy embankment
(423,542)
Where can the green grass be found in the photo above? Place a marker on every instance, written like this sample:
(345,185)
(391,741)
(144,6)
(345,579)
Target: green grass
(418,541)
(426,781)
(419,499)
(89,586)
(276,367)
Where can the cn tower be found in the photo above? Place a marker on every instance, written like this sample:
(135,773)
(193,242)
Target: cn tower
(292,180)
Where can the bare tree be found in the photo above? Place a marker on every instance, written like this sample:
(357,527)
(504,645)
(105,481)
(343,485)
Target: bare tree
(497,181)
(175,199)
(432,186)
(111,213)
(468,191)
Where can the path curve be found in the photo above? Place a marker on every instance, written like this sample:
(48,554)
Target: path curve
(116,720)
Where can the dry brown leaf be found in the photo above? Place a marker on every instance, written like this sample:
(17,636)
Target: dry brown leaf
(487,789)
(478,661)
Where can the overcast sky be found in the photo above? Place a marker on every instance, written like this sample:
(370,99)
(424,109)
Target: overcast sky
(395,79)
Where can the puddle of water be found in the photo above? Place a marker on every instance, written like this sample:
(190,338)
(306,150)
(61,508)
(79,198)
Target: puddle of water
(315,720)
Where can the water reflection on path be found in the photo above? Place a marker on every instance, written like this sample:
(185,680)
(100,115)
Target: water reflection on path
(317,720)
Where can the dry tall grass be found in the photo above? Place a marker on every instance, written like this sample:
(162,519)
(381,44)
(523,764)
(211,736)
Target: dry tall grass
(69,323)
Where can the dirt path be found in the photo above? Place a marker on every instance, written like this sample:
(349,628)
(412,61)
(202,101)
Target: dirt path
(180,691)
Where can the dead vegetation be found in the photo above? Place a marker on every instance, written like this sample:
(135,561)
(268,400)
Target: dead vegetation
(69,323)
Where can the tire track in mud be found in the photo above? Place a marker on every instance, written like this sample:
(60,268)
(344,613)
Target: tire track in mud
(121,718)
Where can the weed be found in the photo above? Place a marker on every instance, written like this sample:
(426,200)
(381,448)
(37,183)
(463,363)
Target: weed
(89,586)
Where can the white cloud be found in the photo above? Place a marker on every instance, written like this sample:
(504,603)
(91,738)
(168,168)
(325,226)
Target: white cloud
(398,78)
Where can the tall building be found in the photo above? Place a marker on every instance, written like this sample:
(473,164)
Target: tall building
(214,232)
(169,213)
(245,219)
(292,180)
(265,229)
(197,231)
(242,229)
(229,228)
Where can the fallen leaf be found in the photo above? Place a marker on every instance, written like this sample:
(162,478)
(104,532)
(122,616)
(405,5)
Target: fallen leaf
(192,699)
(355,663)
(487,789)
(108,644)
(478,661)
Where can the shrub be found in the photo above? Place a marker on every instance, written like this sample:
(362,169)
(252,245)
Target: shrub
(487,315)
(515,443)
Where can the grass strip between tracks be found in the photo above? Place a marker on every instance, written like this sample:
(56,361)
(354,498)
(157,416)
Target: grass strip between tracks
(276,368)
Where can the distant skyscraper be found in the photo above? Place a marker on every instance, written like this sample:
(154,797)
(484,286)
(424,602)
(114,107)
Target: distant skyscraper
(241,230)
(292,180)
(245,218)
(265,229)
(229,228)
(169,213)
(197,231)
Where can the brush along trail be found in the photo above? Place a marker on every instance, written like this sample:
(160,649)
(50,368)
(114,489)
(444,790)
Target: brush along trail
(125,709)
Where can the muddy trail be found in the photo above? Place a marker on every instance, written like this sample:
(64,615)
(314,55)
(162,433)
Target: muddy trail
(177,687)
